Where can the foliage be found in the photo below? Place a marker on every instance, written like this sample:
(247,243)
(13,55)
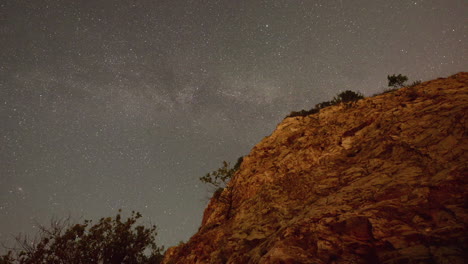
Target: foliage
(238,163)
(397,81)
(220,177)
(346,97)
(323,105)
(109,241)
(7,258)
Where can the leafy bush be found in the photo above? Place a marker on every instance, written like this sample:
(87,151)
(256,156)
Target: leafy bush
(396,81)
(347,97)
(109,241)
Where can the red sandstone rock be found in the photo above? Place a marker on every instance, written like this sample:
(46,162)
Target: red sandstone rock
(383,181)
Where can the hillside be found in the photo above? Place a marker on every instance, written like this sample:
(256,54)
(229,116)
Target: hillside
(382,181)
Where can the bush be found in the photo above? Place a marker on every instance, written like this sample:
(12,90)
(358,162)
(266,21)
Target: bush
(109,241)
(396,81)
(323,105)
(346,97)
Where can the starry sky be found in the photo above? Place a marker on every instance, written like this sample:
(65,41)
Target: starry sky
(111,104)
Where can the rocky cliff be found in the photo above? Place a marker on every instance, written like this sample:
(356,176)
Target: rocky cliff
(380,181)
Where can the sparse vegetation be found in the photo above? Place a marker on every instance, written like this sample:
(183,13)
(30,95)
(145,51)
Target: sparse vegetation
(397,81)
(303,112)
(323,105)
(220,177)
(111,240)
(347,97)
(413,84)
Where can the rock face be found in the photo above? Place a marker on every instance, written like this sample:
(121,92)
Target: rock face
(380,181)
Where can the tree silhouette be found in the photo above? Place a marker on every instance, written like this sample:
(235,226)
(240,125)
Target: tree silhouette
(397,81)
(107,242)
(220,177)
(346,97)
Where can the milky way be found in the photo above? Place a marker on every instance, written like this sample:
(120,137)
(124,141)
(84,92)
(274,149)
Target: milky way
(125,104)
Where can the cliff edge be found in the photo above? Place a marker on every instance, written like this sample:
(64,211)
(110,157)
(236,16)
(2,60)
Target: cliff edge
(381,181)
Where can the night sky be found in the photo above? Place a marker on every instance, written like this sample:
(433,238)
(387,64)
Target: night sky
(110,104)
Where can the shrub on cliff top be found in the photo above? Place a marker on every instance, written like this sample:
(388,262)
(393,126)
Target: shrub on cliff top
(346,97)
(397,81)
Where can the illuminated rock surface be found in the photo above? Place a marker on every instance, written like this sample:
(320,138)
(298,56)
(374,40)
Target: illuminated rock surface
(383,181)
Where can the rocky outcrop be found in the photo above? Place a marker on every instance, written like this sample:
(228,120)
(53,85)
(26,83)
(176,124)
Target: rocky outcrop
(380,181)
